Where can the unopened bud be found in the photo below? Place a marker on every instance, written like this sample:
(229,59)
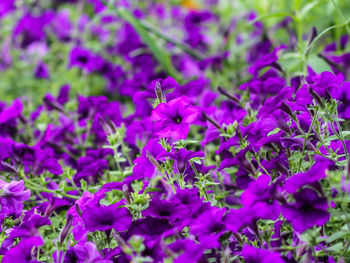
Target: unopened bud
(239,133)
(285,107)
(126,193)
(205,116)
(159,92)
(232,97)
(313,35)
(66,228)
(77,208)
(153,160)
(107,125)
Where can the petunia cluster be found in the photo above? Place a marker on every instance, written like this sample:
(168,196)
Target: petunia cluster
(150,149)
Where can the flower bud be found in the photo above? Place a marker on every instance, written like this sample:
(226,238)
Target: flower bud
(66,228)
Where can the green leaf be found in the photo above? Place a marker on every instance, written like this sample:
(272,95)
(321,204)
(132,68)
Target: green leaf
(337,248)
(303,12)
(337,235)
(274,15)
(273,131)
(318,64)
(335,137)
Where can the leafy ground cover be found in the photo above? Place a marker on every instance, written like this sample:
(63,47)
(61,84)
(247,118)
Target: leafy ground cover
(174,131)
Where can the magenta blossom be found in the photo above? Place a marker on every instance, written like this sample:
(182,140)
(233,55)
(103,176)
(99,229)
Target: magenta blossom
(174,118)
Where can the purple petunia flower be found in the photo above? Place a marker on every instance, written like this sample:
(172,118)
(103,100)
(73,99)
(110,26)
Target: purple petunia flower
(103,218)
(22,253)
(316,173)
(36,160)
(209,226)
(173,118)
(164,209)
(12,112)
(144,167)
(188,251)
(29,228)
(12,196)
(256,255)
(92,165)
(84,59)
(84,253)
(6,6)
(42,71)
(308,210)
(259,191)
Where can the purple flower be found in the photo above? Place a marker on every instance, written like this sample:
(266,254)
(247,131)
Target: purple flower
(140,131)
(209,226)
(103,218)
(42,71)
(316,173)
(259,191)
(6,6)
(86,253)
(194,27)
(62,26)
(164,209)
(173,118)
(29,228)
(237,219)
(149,226)
(31,28)
(79,231)
(308,210)
(12,196)
(84,59)
(92,165)
(189,199)
(23,252)
(192,89)
(266,60)
(12,112)
(36,160)
(256,255)
(144,167)
(273,103)
(188,251)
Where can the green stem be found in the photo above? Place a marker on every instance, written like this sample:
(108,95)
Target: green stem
(330,158)
(126,153)
(311,46)
(199,177)
(341,138)
(337,7)
(170,181)
(310,129)
(314,253)
(35,187)
(257,159)
(180,45)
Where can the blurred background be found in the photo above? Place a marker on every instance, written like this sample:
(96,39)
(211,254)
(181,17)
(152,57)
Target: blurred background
(117,50)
